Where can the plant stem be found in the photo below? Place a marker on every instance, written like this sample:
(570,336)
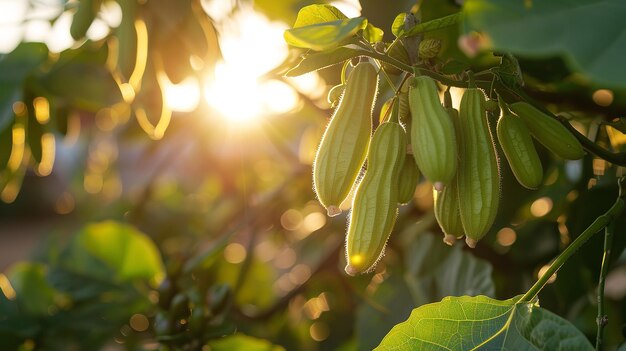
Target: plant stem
(602,318)
(595,227)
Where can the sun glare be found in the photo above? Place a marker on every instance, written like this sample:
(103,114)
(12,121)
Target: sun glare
(184,96)
(252,45)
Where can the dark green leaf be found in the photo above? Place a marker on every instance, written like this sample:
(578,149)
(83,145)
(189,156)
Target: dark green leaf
(389,305)
(435,270)
(470,323)
(15,67)
(454,67)
(86,86)
(509,71)
(322,36)
(314,14)
(589,34)
(439,23)
(318,60)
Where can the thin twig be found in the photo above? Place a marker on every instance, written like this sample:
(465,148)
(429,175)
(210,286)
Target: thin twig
(602,319)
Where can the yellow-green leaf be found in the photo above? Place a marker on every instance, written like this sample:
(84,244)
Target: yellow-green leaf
(483,323)
(322,36)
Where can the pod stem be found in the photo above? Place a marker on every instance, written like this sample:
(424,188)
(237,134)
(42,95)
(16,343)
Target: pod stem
(447,98)
(597,225)
(503,106)
(471,81)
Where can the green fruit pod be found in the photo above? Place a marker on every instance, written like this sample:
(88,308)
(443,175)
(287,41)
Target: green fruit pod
(548,131)
(409,177)
(478,176)
(520,152)
(375,204)
(433,138)
(343,148)
(446,206)
(446,202)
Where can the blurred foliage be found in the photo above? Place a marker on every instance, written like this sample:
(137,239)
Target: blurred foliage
(205,236)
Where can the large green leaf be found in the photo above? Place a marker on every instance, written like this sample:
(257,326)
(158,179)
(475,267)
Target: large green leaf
(318,60)
(589,34)
(435,270)
(128,252)
(326,35)
(243,342)
(14,68)
(314,14)
(32,290)
(482,323)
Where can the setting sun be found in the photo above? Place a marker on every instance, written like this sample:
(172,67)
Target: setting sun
(251,47)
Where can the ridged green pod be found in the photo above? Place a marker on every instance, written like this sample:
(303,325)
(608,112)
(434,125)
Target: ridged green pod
(409,177)
(478,176)
(432,133)
(446,202)
(519,150)
(375,204)
(403,98)
(447,213)
(548,131)
(344,145)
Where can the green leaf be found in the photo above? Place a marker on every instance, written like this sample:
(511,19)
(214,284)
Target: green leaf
(471,323)
(372,33)
(32,290)
(454,67)
(509,71)
(243,342)
(318,60)
(322,36)
(15,67)
(130,253)
(589,34)
(397,27)
(439,23)
(87,86)
(314,14)
(435,270)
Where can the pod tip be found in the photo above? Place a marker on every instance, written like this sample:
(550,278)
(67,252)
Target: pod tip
(471,242)
(449,239)
(333,211)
